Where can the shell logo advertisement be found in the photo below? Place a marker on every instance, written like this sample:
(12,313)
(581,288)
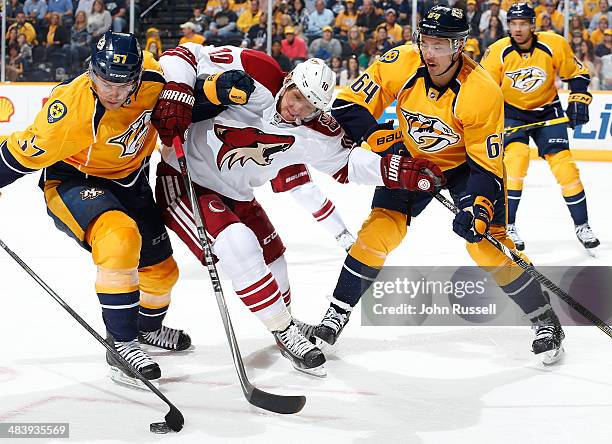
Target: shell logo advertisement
(7,109)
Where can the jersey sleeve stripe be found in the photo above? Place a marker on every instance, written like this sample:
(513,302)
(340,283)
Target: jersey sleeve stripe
(182,53)
(10,168)
(152,76)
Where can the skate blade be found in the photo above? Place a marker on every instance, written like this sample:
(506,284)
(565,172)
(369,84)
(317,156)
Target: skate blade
(552,356)
(319,371)
(120,377)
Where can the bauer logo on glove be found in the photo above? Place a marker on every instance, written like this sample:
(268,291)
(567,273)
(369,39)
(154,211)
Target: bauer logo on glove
(232,87)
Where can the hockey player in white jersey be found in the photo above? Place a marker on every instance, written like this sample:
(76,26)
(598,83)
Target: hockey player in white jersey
(242,137)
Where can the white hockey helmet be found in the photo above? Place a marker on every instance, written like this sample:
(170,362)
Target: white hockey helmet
(315,80)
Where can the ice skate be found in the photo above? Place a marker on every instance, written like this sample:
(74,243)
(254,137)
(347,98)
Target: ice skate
(585,236)
(331,325)
(307,330)
(513,234)
(138,358)
(166,338)
(549,337)
(303,354)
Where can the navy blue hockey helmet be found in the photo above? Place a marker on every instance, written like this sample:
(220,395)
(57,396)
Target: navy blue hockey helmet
(521,11)
(445,22)
(117,57)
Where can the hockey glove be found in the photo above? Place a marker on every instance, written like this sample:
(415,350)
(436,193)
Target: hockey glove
(471,223)
(410,173)
(172,113)
(384,139)
(233,87)
(578,108)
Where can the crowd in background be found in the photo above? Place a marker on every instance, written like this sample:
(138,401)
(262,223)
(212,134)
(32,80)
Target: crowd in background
(349,35)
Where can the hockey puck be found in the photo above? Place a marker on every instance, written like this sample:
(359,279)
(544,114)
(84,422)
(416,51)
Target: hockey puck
(159,428)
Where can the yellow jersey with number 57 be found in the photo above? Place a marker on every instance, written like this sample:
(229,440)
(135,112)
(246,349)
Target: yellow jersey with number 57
(527,78)
(449,126)
(75,128)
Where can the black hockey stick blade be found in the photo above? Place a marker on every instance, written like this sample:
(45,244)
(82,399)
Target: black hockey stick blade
(286,405)
(174,419)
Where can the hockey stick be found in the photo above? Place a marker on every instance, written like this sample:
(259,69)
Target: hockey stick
(174,418)
(257,397)
(535,273)
(550,122)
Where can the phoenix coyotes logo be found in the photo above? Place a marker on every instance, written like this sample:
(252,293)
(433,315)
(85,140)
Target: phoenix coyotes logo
(527,79)
(244,144)
(430,134)
(132,140)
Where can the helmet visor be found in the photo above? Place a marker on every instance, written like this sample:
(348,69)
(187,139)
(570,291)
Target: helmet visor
(435,46)
(104,87)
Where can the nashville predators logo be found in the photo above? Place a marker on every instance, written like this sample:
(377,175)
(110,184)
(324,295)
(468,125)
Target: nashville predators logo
(430,134)
(527,79)
(56,111)
(91,193)
(244,144)
(132,140)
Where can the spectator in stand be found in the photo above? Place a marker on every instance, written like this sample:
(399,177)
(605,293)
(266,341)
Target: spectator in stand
(223,25)
(99,21)
(257,37)
(576,41)
(14,65)
(382,40)
(473,17)
(25,51)
(394,31)
(577,24)
(597,36)
(189,34)
(61,7)
(240,6)
(605,47)
(55,35)
(590,8)
(277,54)
(85,6)
(199,19)
(80,40)
(546,24)
(406,35)
(575,8)
(354,44)
(318,19)
(293,46)
(335,6)
(472,48)
(369,55)
(335,63)
(402,8)
(351,72)
(606,73)
(604,11)
(118,12)
(23,27)
(12,8)
(592,63)
(249,17)
(299,16)
(11,36)
(212,7)
(153,43)
(279,28)
(326,46)
(493,33)
(494,10)
(35,11)
(346,19)
(556,17)
(368,19)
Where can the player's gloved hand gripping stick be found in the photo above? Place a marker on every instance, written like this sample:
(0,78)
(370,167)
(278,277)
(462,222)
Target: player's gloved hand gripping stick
(514,256)
(259,398)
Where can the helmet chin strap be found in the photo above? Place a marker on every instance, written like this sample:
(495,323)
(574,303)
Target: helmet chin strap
(453,61)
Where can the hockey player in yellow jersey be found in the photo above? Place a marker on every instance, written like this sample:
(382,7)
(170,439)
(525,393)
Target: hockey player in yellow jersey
(525,66)
(93,138)
(435,86)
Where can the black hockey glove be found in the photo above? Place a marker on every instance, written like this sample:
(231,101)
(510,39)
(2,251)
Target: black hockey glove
(233,87)
(471,223)
(578,108)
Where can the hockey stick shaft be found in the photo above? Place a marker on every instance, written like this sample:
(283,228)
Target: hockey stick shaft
(174,418)
(268,401)
(550,122)
(531,270)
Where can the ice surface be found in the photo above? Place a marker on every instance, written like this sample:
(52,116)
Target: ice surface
(402,384)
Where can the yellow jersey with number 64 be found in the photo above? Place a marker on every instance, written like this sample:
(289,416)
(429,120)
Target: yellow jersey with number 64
(449,126)
(75,128)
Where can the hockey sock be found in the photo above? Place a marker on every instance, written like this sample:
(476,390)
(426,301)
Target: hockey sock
(355,278)
(120,314)
(279,271)
(577,207)
(526,292)
(156,282)
(514,198)
(310,197)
